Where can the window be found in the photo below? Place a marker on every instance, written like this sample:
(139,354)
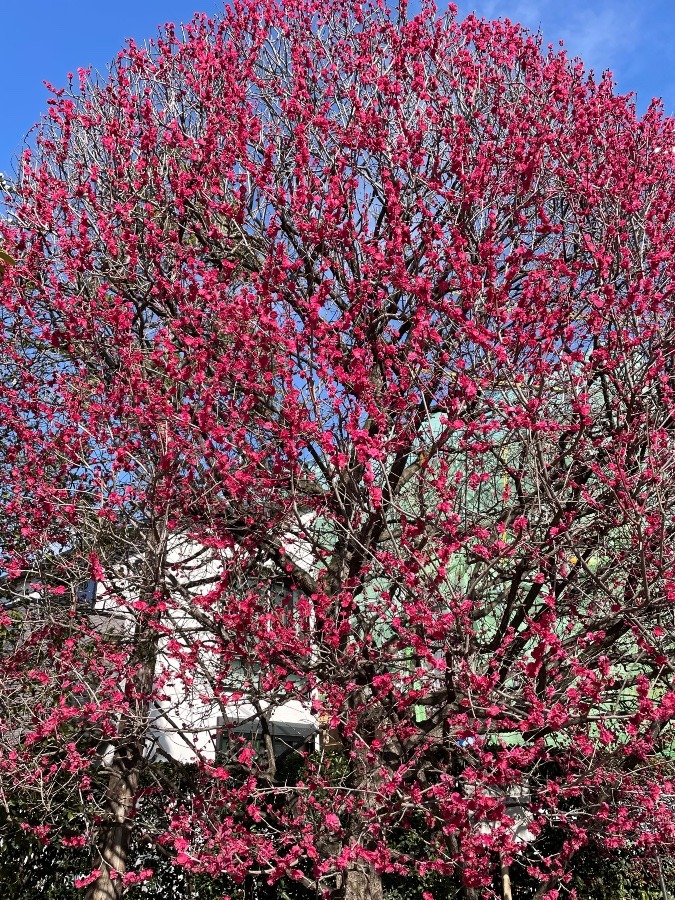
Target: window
(86,593)
(287,737)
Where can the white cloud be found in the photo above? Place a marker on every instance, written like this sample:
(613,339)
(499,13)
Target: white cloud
(601,33)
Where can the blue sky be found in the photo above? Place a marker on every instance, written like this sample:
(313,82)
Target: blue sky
(44,39)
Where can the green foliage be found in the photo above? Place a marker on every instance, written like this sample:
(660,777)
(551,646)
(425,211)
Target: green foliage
(30,868)
(624,875)
(412,887)
(33,869)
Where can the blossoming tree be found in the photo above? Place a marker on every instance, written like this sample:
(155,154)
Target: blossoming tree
(338,364)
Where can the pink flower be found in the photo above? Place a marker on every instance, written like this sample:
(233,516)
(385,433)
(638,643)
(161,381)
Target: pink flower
(332,822)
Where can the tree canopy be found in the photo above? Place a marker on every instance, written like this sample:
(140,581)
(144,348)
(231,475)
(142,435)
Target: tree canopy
(338,364)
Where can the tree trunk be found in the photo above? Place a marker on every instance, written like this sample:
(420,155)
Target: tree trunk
(506,880)
(362,883)
(115,833)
